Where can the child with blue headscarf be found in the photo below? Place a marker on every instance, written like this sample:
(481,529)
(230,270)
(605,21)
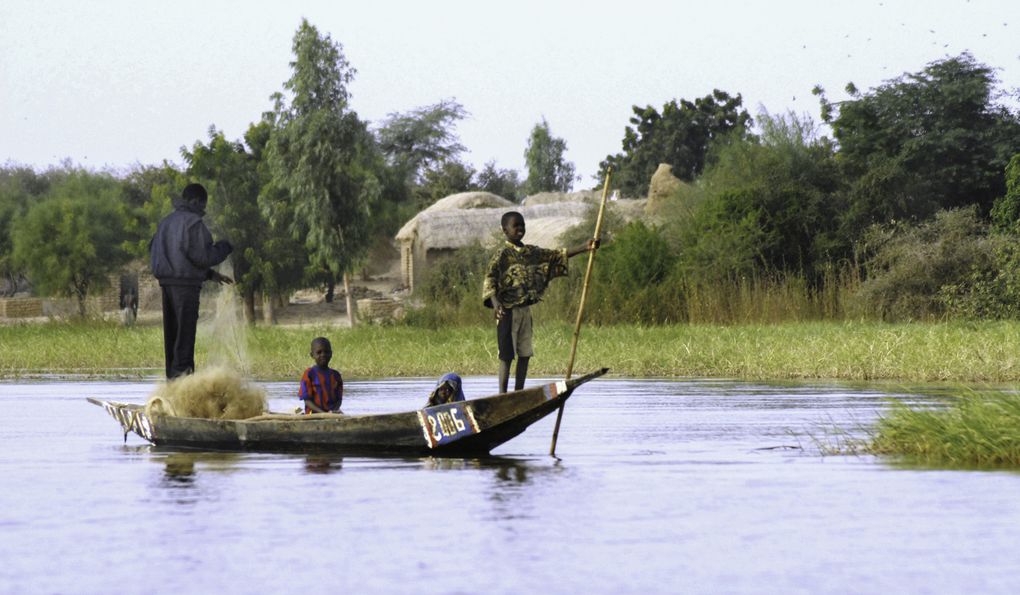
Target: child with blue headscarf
(448,390)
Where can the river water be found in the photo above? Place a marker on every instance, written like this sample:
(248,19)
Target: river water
(661,486)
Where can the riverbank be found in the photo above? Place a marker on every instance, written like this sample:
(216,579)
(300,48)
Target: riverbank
(983,352)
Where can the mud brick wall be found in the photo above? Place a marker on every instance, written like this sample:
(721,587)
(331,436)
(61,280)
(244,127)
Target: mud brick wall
(21,307)
(377,307)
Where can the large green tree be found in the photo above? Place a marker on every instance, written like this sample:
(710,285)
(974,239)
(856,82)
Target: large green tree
(931,140)
(548,170)
(1006,212)
(278,259)
(148,197)
(680,136)
(230,174)
(73,239)
(421,139)
(770,204)
(323,156)
(20,187)
(422,154)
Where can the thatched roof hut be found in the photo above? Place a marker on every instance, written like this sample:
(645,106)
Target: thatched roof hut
(472,219)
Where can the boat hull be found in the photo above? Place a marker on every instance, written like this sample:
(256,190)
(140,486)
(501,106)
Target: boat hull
(463,428)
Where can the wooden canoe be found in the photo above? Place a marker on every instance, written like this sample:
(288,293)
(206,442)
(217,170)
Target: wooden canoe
(471,427)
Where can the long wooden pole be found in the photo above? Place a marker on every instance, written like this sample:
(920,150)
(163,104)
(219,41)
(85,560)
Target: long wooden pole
(580,308)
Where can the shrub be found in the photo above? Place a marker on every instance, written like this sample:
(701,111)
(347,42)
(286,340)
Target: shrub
(631,275)
(989,292)
(911,272)
(451,290)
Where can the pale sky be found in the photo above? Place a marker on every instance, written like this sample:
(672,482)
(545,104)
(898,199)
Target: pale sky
(116,83)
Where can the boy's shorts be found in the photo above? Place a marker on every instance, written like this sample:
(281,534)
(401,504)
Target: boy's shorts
(513,334)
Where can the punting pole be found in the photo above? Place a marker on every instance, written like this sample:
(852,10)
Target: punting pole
(580,308)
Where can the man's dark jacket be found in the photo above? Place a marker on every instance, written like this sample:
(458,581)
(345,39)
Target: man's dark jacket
(183,251)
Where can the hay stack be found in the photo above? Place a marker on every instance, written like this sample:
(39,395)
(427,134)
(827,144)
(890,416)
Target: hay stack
(214,393)
(662,186)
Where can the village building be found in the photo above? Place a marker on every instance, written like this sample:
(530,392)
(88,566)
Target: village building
(472,219)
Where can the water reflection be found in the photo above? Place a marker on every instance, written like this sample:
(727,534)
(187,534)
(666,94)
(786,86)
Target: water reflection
(323,464)
(179,470)
(507,469)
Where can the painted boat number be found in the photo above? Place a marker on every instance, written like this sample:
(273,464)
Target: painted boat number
(446,423)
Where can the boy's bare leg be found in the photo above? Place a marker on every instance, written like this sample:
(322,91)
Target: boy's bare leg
(504,375)
(521,373)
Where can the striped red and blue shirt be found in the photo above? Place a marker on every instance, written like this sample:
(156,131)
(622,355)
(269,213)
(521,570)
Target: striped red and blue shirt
(322,386)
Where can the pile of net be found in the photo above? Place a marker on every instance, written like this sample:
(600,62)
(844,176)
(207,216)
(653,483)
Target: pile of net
(212,393)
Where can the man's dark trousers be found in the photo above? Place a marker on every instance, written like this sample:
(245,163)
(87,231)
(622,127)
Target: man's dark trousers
(180,321)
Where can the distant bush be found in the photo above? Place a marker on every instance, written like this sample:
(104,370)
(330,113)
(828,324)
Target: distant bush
(944,266)
(1006,211)
(768,205)
(631,274)
(990,292)
(450,292)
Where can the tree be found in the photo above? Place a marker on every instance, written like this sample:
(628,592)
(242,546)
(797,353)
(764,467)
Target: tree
(502,182)
(421,139)
(680,136)
(1006,212)
(71,240)
(278,260)
(450,177)
(148,197)
(924,142)
(548,171)
(323,156)
(422,152)
(230,174)
(20,187)
(770,204)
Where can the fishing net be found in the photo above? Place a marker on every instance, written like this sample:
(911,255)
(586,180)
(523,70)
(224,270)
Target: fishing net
(212,393)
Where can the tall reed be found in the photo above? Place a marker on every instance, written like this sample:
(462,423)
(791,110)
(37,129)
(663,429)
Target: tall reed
(976,428)
(986,352)
(757,298)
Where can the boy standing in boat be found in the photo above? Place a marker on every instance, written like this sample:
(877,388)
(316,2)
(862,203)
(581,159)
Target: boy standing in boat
(515,279)
(183,254)
(322,387)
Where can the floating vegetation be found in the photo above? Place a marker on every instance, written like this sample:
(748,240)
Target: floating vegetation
(974,429)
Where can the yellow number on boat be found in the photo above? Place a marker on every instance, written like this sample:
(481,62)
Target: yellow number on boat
(458,422)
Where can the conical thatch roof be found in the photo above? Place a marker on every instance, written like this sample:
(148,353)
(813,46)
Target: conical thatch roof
(469,200)
(545,198)
(468,218)
(628,208)
(459,228)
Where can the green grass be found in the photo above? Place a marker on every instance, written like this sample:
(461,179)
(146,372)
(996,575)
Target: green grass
(986,352)
(976,429)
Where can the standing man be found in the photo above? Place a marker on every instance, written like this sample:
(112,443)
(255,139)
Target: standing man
(183,254)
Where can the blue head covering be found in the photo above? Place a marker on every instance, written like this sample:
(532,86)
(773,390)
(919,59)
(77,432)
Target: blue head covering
(453,381)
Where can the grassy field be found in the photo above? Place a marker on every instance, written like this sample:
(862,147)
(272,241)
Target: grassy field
(986,352)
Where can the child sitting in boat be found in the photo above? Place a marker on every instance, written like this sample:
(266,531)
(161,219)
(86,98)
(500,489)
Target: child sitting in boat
(447,390)
(322,387)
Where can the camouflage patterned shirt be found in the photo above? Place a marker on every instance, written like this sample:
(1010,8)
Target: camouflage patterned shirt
(518,275)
